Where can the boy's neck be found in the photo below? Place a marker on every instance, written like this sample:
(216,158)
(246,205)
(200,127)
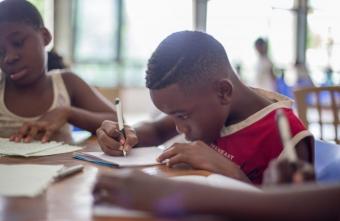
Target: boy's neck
(246,103)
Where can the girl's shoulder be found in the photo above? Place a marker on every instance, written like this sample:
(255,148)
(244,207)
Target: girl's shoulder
(64,78)
(73,83)
(66,75)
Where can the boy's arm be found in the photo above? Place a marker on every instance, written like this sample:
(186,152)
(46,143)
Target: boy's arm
(88,108)
(200,156)
(307,202)
(155,132)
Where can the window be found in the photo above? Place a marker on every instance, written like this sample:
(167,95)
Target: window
(323,45)
(237,24)
(114,39)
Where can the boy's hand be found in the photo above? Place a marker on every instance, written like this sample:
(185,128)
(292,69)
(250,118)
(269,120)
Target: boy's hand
(111,140)
(200,156)
(44,128)
(285,172)
(137,190)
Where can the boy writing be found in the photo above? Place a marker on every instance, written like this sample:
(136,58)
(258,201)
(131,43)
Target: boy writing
(232,128)
(35,104)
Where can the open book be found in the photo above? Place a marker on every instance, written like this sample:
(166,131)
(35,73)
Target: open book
(141,156)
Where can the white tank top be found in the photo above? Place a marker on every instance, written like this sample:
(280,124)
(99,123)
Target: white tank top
(10,122)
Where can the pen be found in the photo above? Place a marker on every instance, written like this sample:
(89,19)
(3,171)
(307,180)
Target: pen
(285,134)
(120,120)
(69,171)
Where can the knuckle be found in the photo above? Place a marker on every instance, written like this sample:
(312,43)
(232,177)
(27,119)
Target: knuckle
(99,132)
(105,150)
(106,122)
(182,157)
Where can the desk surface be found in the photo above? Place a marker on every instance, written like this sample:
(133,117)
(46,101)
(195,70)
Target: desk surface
(69,199)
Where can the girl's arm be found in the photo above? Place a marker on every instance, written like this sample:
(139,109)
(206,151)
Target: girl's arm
(88,108)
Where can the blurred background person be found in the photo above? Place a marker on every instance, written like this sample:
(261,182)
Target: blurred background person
(264,73)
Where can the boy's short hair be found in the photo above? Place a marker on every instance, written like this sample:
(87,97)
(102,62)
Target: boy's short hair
(20,11)
(188,58)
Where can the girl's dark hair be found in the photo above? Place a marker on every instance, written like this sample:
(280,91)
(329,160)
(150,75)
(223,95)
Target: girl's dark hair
(20,11)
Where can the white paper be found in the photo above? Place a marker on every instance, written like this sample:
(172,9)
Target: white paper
(141,156)
(65,148)
(217,180)
(115,211)
(34,148)
(21,149)
(26,179)
(79,137)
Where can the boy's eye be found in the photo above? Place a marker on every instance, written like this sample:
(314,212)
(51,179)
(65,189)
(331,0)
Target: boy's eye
(18,43)
(183,116)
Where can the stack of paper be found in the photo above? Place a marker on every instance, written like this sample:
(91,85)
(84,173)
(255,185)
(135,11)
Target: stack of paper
(141,156)
(34,148)
(25,179)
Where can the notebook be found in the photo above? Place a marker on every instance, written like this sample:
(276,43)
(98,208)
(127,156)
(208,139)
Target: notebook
(26,180)
(35,148)
(141,156)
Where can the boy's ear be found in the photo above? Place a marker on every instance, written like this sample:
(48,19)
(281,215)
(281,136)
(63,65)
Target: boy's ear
(47,37)
(224,89)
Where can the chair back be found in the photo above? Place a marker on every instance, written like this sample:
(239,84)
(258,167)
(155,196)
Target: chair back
(320,106)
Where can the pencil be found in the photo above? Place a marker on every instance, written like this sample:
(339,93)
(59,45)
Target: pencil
(120,120)
(285,134)
(69,171)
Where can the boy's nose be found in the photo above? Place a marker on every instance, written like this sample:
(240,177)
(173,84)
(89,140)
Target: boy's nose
(182,129)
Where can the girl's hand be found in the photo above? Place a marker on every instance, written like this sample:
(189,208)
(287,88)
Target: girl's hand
(44,128)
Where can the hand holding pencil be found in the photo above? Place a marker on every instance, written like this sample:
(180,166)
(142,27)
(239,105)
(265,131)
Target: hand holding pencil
(115,138)
(287,169)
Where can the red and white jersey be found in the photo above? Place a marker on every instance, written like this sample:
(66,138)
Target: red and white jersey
(254,142)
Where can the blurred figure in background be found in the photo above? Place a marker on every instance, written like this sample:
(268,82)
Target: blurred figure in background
(264,72)
(298,76)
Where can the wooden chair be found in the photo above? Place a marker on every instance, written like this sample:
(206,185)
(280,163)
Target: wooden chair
(325,103)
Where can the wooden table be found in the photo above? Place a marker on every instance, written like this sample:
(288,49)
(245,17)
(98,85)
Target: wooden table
(69,199)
